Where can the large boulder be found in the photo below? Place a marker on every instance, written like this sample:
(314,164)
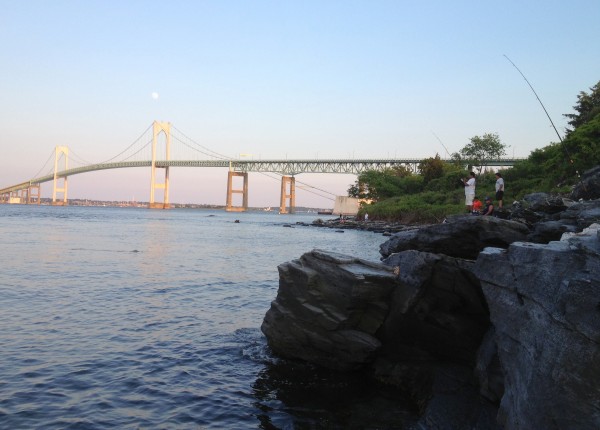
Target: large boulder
(328,309)
(341,312)
(414,321)
(589,186)
(583,214)
(544,305)
(462,236)
(548,231)
(544,203)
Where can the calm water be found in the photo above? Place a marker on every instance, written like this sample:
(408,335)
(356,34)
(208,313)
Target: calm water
(131,318)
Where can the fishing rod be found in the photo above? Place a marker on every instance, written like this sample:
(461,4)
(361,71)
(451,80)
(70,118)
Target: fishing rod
(551,122)
(538,98)
(440,140)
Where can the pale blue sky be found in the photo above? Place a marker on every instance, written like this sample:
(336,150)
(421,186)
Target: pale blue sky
(304,79)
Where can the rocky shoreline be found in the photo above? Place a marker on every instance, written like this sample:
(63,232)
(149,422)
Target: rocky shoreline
(483,322)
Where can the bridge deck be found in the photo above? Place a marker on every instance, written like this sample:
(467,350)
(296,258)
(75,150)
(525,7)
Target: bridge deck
(284,167)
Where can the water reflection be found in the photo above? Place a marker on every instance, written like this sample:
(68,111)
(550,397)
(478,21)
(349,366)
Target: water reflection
(292,394)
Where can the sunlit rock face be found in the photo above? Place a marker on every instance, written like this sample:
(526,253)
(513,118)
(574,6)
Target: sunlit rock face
(328,309)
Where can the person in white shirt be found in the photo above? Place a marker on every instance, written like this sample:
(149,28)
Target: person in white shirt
(499,189)
(469,191)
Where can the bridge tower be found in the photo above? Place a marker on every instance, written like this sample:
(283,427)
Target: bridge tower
(61,153)
(158,128)
(244,191)
(285,181)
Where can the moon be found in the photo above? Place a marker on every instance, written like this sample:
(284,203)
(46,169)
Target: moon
(155,95)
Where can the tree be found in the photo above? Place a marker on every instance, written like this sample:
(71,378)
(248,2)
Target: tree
(431,168)
(401,171)
(587,108)
(482,149)
(377,185)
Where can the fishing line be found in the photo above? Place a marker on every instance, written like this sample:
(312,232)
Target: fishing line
(551,122)
(440,140)
(542,104)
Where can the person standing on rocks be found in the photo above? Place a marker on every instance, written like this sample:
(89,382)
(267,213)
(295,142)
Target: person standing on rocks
(469,191)
(499,189)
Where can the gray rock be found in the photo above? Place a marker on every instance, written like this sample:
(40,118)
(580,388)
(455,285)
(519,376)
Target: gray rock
(544,303)
(589,186)
(582,214)
(544,202)
(544,232)
(328,309)
(488,369)
(462,237)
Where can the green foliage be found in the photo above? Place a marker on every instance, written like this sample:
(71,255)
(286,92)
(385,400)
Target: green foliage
(583,145)
(431,168)
(354,190)
(483,149)
(401,171)
(450,180)
(419,208)
(375,185)
(587,108)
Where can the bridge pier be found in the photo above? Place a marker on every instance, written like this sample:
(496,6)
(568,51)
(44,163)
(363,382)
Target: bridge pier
(34,194)
(230,191)
(285,181)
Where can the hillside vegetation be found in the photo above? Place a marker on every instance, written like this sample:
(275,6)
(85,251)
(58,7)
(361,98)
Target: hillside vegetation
(435,190)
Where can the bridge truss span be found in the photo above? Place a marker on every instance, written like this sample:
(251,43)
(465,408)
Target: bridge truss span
(295,167)
(29,191)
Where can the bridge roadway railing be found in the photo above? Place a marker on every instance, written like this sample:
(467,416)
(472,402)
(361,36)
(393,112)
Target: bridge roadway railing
(284,167)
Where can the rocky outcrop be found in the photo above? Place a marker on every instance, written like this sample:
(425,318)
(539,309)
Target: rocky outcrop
(478,325)
(415,322)
(545,203)
(460,236)
(547,231)
(582,214)
(589,186)
(544,305)
(328,309)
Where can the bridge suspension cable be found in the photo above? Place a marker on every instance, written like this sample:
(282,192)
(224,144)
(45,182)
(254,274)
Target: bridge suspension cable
(130,146)
(45,164)
(204,150)
(78,159)
(303,189)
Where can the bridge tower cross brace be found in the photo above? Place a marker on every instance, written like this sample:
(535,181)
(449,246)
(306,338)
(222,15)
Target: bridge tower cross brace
(158,128)
(60,153)
(285,181)
(34,194)
(230,191)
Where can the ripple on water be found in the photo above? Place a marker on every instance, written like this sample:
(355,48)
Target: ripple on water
(94,335)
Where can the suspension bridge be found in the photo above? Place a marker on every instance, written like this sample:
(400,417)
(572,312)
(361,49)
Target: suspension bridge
(162,146)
